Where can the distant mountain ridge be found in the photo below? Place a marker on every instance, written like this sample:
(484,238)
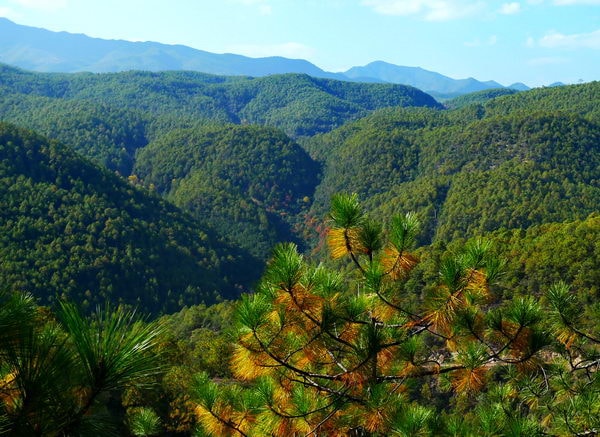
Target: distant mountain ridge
(47,51)
(434,83)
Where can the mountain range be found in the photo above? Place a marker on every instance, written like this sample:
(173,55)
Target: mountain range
(167,189)
(47,51)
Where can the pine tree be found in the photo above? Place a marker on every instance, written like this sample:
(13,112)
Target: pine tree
(59,377)
(322,352)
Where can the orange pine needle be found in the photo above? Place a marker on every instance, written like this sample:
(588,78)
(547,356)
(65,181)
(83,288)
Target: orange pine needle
(469,380)
(398,264)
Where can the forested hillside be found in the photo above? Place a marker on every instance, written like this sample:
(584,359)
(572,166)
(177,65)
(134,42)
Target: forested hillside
(72,230)
(497,161)
(513,162)
(169,192)
(298,104)
(248,182)
(479,97)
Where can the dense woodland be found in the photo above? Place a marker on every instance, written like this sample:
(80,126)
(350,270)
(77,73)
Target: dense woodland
(296,256)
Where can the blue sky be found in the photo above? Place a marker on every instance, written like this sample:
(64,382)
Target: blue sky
(532,41)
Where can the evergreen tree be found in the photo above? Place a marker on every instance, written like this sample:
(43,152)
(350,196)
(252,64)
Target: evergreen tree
(321,352)
(65,378)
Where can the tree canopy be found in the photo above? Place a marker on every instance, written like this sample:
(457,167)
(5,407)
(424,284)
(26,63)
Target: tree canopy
(71,229)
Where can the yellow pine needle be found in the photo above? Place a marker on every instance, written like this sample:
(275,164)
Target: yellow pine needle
(532,402)
(337,425)
(409,369)
(248,365)
(441,320)
(273,318)
(509,328)
(312,305)
(7,380)
(300,299)
(304,361)
(478,284)
(445,305)
(281,398)
(315,353)
(282,299)
(546,420)
(340,239)
(451,344)
(284,428)
(290,300)
(566,337)
(270,423)
(301,427)
(529,365)
(213,425)
(350,332)
(244,419)
(398,264)
(521,341)
(9,394)
(384,313)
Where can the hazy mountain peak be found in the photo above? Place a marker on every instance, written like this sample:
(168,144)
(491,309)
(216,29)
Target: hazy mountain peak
(428,81)
(46,51)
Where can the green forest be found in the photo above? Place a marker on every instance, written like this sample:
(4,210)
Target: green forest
(193,255)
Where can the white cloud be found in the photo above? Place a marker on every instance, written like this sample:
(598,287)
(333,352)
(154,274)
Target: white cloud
(46,5)
(540,62)
(430,10)
(6,12)
(574,41)
(510,8)
(291,50)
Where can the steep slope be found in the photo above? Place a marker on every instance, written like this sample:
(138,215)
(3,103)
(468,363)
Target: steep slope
(474,169)
(529,170)
(251,183)
(105,133)
(552,252)
(70,229)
